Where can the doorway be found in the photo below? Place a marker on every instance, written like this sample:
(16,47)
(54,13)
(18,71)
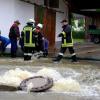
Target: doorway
(48,18)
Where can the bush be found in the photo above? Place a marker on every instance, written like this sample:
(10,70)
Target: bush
(78,34)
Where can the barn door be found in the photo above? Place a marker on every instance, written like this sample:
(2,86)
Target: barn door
(47,17)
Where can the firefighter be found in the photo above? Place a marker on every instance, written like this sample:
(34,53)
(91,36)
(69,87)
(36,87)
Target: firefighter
(21,41)
(14,36)
(67,42)
(29,41)
(39,38)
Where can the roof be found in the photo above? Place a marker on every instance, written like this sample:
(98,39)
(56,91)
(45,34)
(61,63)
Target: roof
(79,6)
(85,4)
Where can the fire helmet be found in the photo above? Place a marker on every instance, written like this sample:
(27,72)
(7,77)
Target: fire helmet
(31,21)
(40,25)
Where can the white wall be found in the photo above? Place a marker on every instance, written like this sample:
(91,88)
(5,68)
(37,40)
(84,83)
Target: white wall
(23,12)
(11,10)
(6,15)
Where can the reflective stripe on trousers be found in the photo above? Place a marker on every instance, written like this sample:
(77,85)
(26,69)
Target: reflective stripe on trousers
(27,54)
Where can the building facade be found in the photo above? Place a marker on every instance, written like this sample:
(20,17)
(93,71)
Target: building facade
(23,10)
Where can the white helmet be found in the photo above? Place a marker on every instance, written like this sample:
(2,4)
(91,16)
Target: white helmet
(40,25)
(31,21)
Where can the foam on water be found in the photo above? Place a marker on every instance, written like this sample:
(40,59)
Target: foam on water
(68,85)
(49,72)
(70,81)
(14,77)
(71,73)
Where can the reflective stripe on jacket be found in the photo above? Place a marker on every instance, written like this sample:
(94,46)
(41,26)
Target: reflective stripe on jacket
(28,37)
(65,42)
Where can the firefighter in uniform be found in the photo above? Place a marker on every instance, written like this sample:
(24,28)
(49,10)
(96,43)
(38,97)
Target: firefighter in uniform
(39,38)
(28,37)
(67,42)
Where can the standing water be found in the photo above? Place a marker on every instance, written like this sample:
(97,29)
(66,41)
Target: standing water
(75,82)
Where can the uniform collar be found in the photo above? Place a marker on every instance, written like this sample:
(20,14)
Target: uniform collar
(64,26)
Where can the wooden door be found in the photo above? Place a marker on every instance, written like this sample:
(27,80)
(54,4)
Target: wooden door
(49,26)
(47,17)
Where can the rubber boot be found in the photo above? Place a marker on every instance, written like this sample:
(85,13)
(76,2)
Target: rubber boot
(58,58)
(25,57)
(13,55)
(29,57)
(74,58)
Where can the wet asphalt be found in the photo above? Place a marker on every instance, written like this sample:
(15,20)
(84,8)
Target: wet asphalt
(90,69)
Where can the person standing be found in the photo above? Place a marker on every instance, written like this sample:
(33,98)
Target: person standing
(21,41)
(28,38)
(14,35)
(67,42)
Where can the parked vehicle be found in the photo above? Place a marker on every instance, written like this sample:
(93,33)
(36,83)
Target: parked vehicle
(94,35)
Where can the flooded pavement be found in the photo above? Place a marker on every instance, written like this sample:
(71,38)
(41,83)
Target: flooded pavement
(44,96)
(87,50)
(87,73)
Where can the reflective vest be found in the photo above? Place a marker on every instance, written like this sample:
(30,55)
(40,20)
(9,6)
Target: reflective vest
(28,37)
(65,41)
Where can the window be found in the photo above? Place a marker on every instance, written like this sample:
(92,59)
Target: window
(52,3)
